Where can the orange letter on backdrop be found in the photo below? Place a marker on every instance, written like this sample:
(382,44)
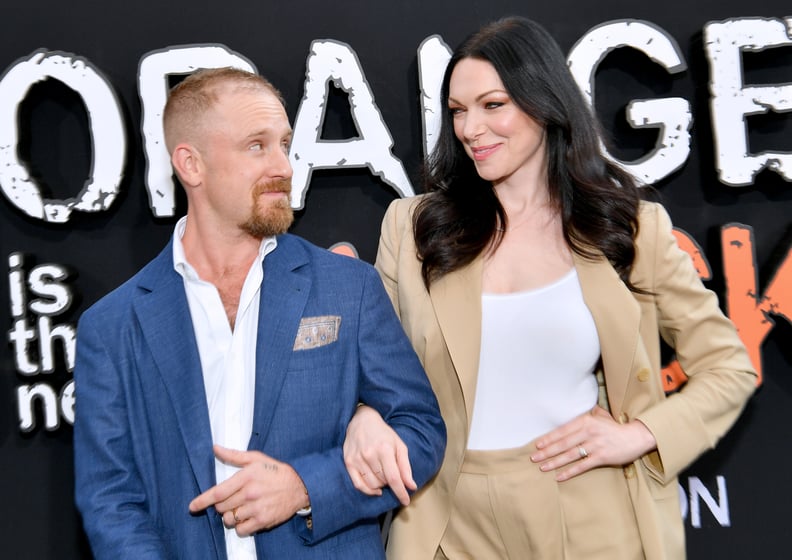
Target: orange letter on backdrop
(750,312)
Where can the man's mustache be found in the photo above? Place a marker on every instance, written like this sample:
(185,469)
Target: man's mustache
(279,185)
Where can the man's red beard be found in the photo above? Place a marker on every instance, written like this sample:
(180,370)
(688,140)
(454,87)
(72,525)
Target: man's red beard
(275,218)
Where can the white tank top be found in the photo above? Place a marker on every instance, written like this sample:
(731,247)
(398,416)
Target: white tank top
(539,350)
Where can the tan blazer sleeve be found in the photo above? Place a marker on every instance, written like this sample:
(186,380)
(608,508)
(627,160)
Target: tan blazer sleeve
(721,377)
(396,223)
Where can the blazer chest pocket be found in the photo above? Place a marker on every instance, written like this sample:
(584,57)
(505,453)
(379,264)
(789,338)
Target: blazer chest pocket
(315,332)
(316,349)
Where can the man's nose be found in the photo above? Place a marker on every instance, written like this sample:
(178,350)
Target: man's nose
(281,166)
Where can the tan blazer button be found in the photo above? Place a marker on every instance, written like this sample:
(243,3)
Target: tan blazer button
(643,375)
(629,471)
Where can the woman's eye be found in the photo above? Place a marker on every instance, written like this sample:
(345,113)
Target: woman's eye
(493,104)
(455,111)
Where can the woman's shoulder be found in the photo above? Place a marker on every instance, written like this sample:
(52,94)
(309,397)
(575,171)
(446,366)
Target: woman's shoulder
(407,204)
(651,217)
(654,243)
(401,210)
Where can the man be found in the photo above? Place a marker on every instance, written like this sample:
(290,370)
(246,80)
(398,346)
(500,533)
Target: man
(215,386)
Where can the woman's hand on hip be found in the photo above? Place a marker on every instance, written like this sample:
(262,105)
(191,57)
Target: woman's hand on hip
(591,440)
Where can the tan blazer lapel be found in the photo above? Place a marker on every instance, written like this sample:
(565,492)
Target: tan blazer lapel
(456,299)
(618,316)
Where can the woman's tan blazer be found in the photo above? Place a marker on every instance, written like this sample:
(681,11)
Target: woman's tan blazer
(444,326)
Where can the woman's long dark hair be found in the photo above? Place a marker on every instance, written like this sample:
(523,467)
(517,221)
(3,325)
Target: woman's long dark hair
(598,200)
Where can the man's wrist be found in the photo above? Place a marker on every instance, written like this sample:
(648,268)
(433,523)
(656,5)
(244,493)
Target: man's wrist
(305,510)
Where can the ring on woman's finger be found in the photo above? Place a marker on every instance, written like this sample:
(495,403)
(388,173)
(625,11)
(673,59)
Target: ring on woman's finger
(582,452)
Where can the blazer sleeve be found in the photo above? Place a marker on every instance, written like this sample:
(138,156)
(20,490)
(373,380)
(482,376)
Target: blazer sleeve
(395,224)
(393,382)
(721,376)
(109,491)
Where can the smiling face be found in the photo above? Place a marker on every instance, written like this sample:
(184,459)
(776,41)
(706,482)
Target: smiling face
(246,169)
(505,144)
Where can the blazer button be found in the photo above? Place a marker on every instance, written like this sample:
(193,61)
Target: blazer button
(629,471)
(622,418)
(643,375)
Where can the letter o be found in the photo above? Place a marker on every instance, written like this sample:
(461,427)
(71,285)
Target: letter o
(108,135)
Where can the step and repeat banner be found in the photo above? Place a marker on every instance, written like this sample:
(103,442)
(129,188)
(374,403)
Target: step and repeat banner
(695,99)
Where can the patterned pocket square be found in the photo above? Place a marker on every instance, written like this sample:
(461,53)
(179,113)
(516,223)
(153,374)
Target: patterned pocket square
(317,331)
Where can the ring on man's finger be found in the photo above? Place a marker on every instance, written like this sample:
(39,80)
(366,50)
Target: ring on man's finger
(236,519)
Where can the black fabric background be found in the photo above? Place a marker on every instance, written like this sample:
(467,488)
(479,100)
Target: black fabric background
(37,516)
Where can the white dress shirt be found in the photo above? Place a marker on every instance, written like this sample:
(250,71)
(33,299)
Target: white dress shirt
(228,362)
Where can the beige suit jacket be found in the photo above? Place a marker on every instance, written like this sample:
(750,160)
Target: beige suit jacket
(445,329)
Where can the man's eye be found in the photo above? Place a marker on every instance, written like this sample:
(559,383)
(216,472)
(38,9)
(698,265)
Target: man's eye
(256,147)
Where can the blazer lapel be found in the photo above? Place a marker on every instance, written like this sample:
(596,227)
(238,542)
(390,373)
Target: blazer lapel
(617,315)
(284,294)
(456,299)
(166,324)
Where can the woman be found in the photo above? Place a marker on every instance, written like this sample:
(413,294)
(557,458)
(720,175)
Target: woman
(535,285)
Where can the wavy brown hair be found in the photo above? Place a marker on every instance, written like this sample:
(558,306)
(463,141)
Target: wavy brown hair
(597,199)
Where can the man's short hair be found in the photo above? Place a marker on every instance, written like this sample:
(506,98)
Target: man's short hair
(191,98)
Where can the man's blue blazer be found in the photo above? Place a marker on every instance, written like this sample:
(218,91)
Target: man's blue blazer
(143,447)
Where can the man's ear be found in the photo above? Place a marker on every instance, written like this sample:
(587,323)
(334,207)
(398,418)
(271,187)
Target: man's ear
(186,162)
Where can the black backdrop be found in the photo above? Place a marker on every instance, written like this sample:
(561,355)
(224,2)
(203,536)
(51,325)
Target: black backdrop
(735,498)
